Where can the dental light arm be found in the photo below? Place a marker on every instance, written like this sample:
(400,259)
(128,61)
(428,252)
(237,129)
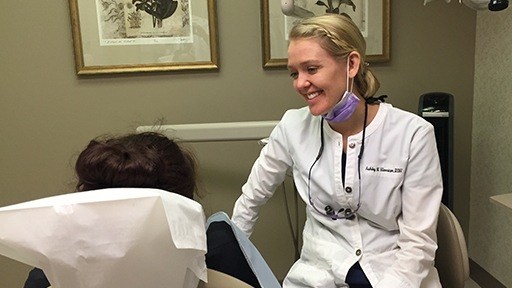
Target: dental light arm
(289,8)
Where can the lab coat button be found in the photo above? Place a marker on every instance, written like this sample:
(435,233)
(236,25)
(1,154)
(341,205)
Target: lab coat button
(348,189)
(352,145)
(358,252)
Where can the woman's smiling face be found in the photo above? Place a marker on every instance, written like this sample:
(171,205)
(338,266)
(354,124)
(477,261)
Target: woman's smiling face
(317,76)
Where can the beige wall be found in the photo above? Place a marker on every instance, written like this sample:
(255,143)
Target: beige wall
(490,237)
(47,114)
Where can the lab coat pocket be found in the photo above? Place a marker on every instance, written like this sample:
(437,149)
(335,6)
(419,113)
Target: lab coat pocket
(314,268)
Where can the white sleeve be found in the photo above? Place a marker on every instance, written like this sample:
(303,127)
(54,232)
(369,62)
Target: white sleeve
(267,173)
(421,197)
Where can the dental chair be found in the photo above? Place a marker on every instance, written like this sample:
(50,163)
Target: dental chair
(218,279)
(232,255)
(452,260)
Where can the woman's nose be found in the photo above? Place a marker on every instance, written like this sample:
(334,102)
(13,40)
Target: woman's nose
(302,83)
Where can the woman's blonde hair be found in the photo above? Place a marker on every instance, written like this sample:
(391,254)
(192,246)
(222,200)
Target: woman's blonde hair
(339,36)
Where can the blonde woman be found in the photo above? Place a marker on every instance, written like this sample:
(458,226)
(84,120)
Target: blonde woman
(368,172)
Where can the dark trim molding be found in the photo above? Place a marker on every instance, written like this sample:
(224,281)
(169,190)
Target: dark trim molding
(482,277)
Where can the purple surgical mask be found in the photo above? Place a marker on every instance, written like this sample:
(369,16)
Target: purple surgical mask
(345,107)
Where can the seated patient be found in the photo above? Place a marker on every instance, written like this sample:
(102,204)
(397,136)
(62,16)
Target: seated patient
(150,160)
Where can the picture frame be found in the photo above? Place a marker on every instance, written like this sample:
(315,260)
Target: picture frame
(373,18)
(127,36)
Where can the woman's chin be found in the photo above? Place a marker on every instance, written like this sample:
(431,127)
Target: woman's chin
(316,112)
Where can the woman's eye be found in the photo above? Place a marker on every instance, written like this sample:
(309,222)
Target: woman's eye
(312,70)
(294,75)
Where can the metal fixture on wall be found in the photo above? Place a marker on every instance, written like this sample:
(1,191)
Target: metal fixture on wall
(498,5)
(492,5)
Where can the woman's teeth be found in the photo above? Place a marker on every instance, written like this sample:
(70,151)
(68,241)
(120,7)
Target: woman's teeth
(312,95)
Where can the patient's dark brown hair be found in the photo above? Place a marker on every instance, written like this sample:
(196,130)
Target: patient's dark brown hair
(145,160)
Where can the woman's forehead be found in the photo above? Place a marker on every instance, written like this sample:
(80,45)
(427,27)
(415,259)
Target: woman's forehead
(306,50)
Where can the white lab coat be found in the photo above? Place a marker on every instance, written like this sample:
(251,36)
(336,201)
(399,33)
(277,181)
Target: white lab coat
(394,233)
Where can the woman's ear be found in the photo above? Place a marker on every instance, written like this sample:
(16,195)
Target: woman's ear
(354,62)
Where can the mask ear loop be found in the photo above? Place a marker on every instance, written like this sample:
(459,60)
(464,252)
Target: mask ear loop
(350,85)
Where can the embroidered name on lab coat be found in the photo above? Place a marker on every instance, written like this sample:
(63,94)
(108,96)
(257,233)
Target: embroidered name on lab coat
(384,169)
